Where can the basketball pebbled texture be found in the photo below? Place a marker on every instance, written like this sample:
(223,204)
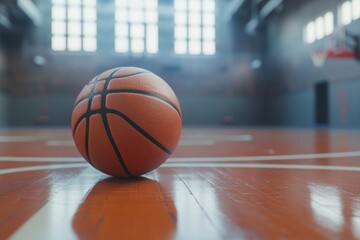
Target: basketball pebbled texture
(126,122)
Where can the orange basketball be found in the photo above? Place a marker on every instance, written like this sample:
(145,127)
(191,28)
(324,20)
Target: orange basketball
(126,122)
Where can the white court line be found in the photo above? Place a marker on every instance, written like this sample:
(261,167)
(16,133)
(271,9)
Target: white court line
(185,142)
(189,141)
(269,158)
(221,138)
(68,143)
(53,221)
(60,143)
(20,139)
(261,166)
(40,159)
(201,159)
(194,142)
(42,167)
(196,165)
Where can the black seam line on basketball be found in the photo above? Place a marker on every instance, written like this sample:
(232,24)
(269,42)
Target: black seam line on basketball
(132,123)
(95,80)
(107,127)
(139,129)
(110,78)
(92,90)
(84,116)
(150,94)
(91,96)
(105,79)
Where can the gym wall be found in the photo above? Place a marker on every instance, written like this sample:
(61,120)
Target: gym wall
(211,89)
(291,100)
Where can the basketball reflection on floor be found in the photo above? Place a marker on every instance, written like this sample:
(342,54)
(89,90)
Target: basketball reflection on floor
(126,209)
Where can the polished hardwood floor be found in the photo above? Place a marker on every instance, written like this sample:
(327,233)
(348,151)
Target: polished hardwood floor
(219,184)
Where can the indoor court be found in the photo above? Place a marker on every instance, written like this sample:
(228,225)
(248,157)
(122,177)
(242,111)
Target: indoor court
(261,128)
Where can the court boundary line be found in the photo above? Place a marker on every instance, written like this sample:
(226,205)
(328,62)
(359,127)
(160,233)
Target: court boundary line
(42,167)
(201,159)
(195,165)
(263,166)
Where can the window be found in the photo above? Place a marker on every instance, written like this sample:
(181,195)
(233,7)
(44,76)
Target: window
(345,13)
(194,30)
(310,34)
(329,23)
(136,26)
(318,29)
(356,9)
(73,25)
(349,11)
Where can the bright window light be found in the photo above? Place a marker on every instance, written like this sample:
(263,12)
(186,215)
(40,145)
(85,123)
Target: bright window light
(58,28)
(194,18)
(209,47)
(122,30)
(89,14)
(137,45)
(194,30)
(74,2)
(74,13)
(74,28)
(137,31)
(122,45)
(310,32)
(121,15)
(180,18)
(345,13)
(89,29)
(73,25)
(136,4)
(180,32)
(136,26)
(209,19)
(181,47)
(58,2)
(356,9)
(329,23)
(89,44)
(151,17)
(74,43)
(121,3)
(58,43)
(209,6)
(151,4)
(209,33)
(194,5)
(136,16)
(319,26)
(89,3)
(195,47)
(152,41)
(180,5)
(58,12)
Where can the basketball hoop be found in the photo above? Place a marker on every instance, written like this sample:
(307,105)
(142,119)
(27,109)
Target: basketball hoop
(318,58)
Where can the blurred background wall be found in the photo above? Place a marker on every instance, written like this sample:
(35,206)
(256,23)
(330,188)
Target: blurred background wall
(260,79)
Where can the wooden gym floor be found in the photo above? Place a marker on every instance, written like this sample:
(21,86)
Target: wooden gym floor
(219,184)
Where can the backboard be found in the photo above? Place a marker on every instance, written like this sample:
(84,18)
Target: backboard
(339,44)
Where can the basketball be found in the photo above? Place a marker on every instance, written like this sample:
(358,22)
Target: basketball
(126,122)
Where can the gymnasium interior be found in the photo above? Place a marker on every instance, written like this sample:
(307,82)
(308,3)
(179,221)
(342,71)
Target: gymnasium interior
(269,93)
